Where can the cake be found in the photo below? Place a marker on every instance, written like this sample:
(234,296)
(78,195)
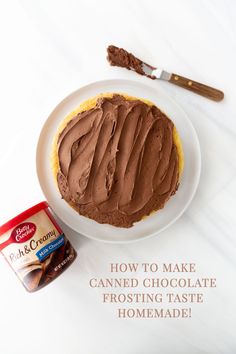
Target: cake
(116,159)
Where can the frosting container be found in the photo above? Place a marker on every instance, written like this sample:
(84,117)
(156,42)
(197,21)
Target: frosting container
(35,247)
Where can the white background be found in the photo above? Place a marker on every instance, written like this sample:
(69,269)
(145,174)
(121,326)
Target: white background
(50,48)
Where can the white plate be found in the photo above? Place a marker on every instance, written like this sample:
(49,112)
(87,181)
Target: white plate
(158,221)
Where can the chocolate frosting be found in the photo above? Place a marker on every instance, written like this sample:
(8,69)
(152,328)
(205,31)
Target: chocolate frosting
(120,57)
(39,273)
(118,161)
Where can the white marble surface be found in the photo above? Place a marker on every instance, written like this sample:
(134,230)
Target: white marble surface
(50,48)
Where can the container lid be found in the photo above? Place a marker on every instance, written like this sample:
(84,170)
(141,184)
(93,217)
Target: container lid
(21,217)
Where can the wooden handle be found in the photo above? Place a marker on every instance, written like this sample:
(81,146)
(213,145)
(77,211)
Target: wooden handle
(200,89)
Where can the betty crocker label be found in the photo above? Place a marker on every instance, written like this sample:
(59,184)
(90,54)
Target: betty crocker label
(36,248)
(23,232)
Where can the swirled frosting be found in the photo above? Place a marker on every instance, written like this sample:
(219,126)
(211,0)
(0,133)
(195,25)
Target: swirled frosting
(118,161)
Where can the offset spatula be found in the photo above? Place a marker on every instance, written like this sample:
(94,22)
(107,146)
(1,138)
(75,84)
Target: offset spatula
(120,57)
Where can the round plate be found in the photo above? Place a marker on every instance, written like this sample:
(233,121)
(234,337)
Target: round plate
(158,221)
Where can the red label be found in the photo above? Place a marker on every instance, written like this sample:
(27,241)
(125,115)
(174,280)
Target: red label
(23,232)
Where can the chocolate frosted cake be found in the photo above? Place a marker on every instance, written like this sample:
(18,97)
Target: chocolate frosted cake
(117,159)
